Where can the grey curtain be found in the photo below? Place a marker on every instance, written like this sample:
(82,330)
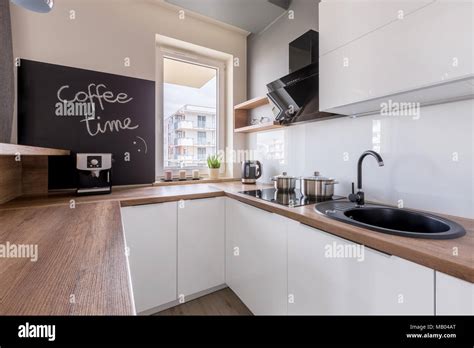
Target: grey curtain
(7,93)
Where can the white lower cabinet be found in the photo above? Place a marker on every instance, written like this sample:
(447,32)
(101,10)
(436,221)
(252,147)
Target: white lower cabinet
(150,232)
(256,257)
(201,245)
(275,265)
(453,296)
(175,249)
(328,275)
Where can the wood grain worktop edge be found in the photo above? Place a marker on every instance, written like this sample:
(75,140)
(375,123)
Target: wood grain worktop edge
(435,254)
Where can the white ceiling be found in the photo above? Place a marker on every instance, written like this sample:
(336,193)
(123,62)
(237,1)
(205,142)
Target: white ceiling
(186,74)
(250,15)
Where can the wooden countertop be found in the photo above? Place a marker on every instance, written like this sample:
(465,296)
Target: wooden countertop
(80,267)
(24,150)
(81,250)
(126,196)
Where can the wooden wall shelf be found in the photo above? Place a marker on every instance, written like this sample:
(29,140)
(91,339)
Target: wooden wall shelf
(258,127)
(252,103)
(23,150)
(241,116)
(26,175)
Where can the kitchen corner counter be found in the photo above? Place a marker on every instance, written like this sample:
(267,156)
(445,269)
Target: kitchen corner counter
(452,256)
(81,250)
(80,267)
(125,196)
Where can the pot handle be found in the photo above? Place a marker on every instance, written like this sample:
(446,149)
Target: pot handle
(331,183)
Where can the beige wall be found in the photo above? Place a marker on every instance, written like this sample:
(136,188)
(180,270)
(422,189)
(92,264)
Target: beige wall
(105,32)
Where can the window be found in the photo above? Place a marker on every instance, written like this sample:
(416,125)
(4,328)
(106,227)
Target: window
(201,121)
(202,153)
(192,95)
(202,138)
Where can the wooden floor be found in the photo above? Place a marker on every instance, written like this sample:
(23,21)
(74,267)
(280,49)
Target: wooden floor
(222,302)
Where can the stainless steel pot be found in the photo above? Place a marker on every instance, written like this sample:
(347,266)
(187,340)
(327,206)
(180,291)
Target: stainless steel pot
(284,182)
(317,186)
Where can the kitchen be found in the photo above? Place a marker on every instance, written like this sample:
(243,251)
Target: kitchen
(314,159)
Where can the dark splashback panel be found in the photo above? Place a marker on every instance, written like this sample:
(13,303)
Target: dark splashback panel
(123,124)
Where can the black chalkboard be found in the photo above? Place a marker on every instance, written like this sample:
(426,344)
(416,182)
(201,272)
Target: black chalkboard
(55,110)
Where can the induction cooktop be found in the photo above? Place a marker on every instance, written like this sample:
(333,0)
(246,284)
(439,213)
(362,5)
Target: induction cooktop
(289,199)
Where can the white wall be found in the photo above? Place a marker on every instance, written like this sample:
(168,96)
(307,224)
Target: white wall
(105,32)
(419,167)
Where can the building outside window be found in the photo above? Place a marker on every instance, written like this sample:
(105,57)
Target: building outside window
(187,143)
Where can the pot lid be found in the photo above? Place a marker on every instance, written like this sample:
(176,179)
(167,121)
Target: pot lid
(317,176)
(284,175)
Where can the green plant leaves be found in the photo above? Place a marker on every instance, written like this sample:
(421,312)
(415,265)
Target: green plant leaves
(213,162)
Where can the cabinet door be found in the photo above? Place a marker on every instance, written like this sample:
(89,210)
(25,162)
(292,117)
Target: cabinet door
(201,245)
(341,22)
(400,60)
(328,275)
(256,257)
(150,232)
(453,296)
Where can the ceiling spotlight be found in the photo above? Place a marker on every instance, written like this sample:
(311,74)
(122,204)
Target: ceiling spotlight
(41,6)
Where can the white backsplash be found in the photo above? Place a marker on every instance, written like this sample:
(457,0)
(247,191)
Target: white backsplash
(429,161)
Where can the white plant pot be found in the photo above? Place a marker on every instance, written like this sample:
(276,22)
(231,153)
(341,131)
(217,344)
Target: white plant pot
(214,173)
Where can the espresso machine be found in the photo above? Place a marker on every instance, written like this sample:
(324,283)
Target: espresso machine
(94,173)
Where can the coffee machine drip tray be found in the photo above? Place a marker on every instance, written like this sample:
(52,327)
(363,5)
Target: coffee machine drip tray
(289,199)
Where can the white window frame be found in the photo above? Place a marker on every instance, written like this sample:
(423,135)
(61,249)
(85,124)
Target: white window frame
(176,54)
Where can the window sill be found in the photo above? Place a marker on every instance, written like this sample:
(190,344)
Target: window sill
(192,182)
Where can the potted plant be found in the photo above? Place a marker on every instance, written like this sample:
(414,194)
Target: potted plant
(214,165)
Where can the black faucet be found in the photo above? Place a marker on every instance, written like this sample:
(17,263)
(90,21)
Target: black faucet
(358,197)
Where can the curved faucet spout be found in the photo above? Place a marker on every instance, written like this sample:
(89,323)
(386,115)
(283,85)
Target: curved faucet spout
(359,197)
(361,160)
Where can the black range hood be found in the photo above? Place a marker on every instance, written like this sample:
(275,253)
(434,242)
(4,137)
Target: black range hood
(295,97)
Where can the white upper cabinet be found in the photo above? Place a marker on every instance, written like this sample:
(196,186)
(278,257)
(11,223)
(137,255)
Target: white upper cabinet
(256,258)
(374,51)
(328,275)
(349,20)
(453,296)
(201,245)
(150,233)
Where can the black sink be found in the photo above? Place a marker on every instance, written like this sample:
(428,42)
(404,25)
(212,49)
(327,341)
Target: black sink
(397,221)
